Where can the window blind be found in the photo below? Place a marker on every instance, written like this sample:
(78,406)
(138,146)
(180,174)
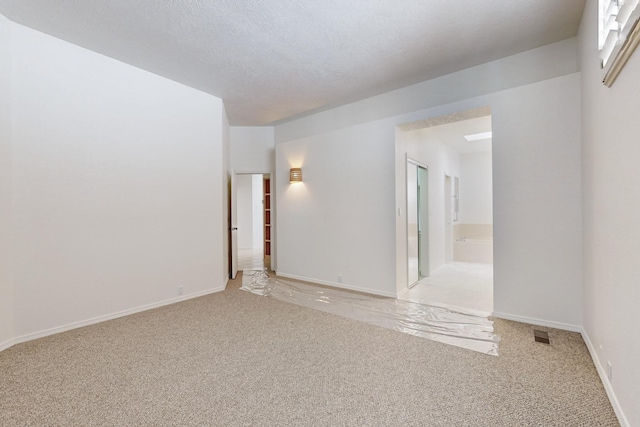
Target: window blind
(617,35)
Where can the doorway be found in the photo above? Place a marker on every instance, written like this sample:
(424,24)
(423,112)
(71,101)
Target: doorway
(453,265)
(250,203)
(250,228)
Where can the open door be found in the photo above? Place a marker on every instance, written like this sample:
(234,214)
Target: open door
(417,222)
(423,222)
(233,227)
(413,264)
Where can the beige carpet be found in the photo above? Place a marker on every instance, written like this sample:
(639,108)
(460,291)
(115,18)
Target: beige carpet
(234,358)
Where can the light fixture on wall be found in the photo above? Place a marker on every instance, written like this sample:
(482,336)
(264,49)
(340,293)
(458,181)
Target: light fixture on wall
(295,175)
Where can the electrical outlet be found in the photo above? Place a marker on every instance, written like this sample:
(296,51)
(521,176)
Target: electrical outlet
(339,278)
(609,371)
(179,290)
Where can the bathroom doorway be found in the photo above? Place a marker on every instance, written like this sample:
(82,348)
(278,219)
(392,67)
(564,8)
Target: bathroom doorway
(459,271)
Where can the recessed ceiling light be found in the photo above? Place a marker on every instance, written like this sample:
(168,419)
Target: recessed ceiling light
(478,136)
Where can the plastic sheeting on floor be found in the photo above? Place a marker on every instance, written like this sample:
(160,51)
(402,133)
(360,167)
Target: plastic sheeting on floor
(456,328)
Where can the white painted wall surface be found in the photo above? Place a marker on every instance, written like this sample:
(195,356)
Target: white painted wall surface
(441,160)
(257,197)
(6,246)
(476,201)
(611,202)
(537,202)
(118,185)
(252,149)
(342,217)
(339,220)
(244,204)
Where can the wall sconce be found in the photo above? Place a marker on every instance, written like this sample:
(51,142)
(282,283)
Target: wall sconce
(295,175)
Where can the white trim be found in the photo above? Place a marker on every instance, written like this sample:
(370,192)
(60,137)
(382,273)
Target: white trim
(58,329)
(424,166)
(539,322)
(252,172)
(622,56)
(338,285)
(616,44)
(8,343)
(402,294)
(608,387)
(416,162)
(602,373)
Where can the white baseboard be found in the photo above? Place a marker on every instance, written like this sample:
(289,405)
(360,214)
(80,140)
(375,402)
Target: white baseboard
(8,343)
(602,372)
(338,285)
(608,387)
(539,322)
(58,329)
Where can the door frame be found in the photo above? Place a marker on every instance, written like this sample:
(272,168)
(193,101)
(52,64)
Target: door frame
(448,218)
(233,225)
(410,161)
(424,255)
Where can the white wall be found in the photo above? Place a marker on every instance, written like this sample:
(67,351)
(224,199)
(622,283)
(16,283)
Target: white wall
(118,180)
(476,200)
(244,205)
(252,149)
(423,146)
(339,220)
(537,202)
(611,179)
(6,264)
(342,218)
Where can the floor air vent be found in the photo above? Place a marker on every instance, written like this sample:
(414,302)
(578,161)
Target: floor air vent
(541,336)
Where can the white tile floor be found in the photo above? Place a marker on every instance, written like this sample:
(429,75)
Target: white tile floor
(458,285)
(250,259)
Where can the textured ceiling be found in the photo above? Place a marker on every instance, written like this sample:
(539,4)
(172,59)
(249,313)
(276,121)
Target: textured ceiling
(272,60)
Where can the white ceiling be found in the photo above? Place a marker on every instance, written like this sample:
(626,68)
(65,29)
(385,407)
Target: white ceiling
(453,134)
(451,129)
(273,60)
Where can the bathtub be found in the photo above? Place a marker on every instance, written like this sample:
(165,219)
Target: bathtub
(473,250)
